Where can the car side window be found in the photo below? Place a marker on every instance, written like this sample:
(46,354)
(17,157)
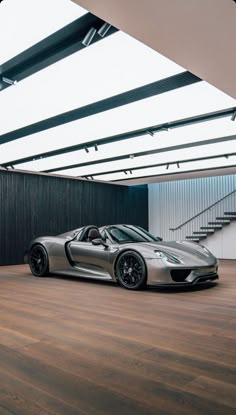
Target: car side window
(77,238)
(105,236)
(119,235)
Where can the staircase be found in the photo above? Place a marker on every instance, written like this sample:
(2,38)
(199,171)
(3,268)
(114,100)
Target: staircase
(212,227)
(208,221)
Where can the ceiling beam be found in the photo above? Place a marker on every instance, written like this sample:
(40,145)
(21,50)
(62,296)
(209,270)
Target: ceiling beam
(50,50)
(141,154)
(199,35)
(128,97)
(166,163)
(190,174)
(125,136)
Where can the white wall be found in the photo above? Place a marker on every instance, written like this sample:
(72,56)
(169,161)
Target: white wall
(223,243)
(172,203)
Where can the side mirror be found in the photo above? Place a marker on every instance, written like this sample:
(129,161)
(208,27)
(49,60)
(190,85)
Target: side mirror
(160,239)
(99,241)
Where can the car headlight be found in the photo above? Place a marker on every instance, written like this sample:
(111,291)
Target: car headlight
(167,257)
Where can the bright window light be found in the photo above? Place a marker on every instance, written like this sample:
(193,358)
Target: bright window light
(181,103)
(26,22)
(180,136)
(114,65)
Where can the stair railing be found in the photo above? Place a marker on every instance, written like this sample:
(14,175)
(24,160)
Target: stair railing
(203,211)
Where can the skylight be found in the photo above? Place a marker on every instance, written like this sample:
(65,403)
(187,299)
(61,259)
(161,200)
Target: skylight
(173,169)
(26,22)
(177,104)
(167,157)
(114,65)
(187,135)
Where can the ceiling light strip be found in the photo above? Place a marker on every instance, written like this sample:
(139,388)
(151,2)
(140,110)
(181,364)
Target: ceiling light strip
(125,136)
(140,154)
(155,88)
(167,164)
(177,173)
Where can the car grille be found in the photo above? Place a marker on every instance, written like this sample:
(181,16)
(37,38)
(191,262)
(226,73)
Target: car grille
(180,275)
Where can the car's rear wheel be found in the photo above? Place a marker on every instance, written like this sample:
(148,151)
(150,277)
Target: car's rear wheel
(38,261)
(131,271)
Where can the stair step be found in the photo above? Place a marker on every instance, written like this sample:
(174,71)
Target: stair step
(196,237)
(226,222)
(212,227)
(207,232)
(230,213)
(192,238)
(225,217)
(201,233)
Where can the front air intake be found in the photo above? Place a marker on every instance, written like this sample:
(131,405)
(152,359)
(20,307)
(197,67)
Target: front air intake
(180,275)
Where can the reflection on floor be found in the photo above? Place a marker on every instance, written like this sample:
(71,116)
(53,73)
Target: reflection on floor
(70,346)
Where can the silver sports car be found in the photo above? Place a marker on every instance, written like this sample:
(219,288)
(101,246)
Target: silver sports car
(122,253)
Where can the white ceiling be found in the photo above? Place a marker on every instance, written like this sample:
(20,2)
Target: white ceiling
(24,23)
(124,63)
(112,66)
(163,140)
(198,35)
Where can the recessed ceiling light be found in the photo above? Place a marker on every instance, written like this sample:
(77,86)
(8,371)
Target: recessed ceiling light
(150,132)
(104,29)
(233,118)
(89,37)
(9,81)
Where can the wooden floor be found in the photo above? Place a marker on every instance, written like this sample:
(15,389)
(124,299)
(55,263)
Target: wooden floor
(70,347)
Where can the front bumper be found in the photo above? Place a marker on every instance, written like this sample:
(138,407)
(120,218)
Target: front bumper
(205,279)
(177,276)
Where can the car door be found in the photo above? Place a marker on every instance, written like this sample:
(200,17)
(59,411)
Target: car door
(90,260)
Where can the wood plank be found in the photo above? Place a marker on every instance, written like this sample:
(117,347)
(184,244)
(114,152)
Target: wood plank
(82,347)
(206,387)
(79,392)
(21,398)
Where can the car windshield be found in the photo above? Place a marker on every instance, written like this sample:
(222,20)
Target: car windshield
(127,234)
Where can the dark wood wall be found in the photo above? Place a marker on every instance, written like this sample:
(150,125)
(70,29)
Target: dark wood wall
(33,205)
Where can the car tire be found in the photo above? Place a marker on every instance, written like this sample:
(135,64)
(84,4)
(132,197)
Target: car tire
(38,261)
(131,270)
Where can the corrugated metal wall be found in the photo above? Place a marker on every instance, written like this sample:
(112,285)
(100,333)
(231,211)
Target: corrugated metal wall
(172,203)
(34,205)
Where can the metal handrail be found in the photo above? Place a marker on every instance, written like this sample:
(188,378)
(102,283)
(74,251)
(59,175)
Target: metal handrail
(204,210)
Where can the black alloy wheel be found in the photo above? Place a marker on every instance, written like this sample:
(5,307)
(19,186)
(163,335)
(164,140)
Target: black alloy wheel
(38,261)
(131,271)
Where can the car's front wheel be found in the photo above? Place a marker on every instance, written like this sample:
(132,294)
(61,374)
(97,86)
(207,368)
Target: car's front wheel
(131,271)
(38,261)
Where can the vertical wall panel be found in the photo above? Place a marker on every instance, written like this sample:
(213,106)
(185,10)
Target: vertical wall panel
(172,203)
(33,205)
(222,244)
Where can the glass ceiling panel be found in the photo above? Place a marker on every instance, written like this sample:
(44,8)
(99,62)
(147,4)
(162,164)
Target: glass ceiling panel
(184,135)
(178,104)
(19,18)
(156,171)
(114,65)
(166,157)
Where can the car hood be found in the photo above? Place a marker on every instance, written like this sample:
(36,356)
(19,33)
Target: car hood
(189,253)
